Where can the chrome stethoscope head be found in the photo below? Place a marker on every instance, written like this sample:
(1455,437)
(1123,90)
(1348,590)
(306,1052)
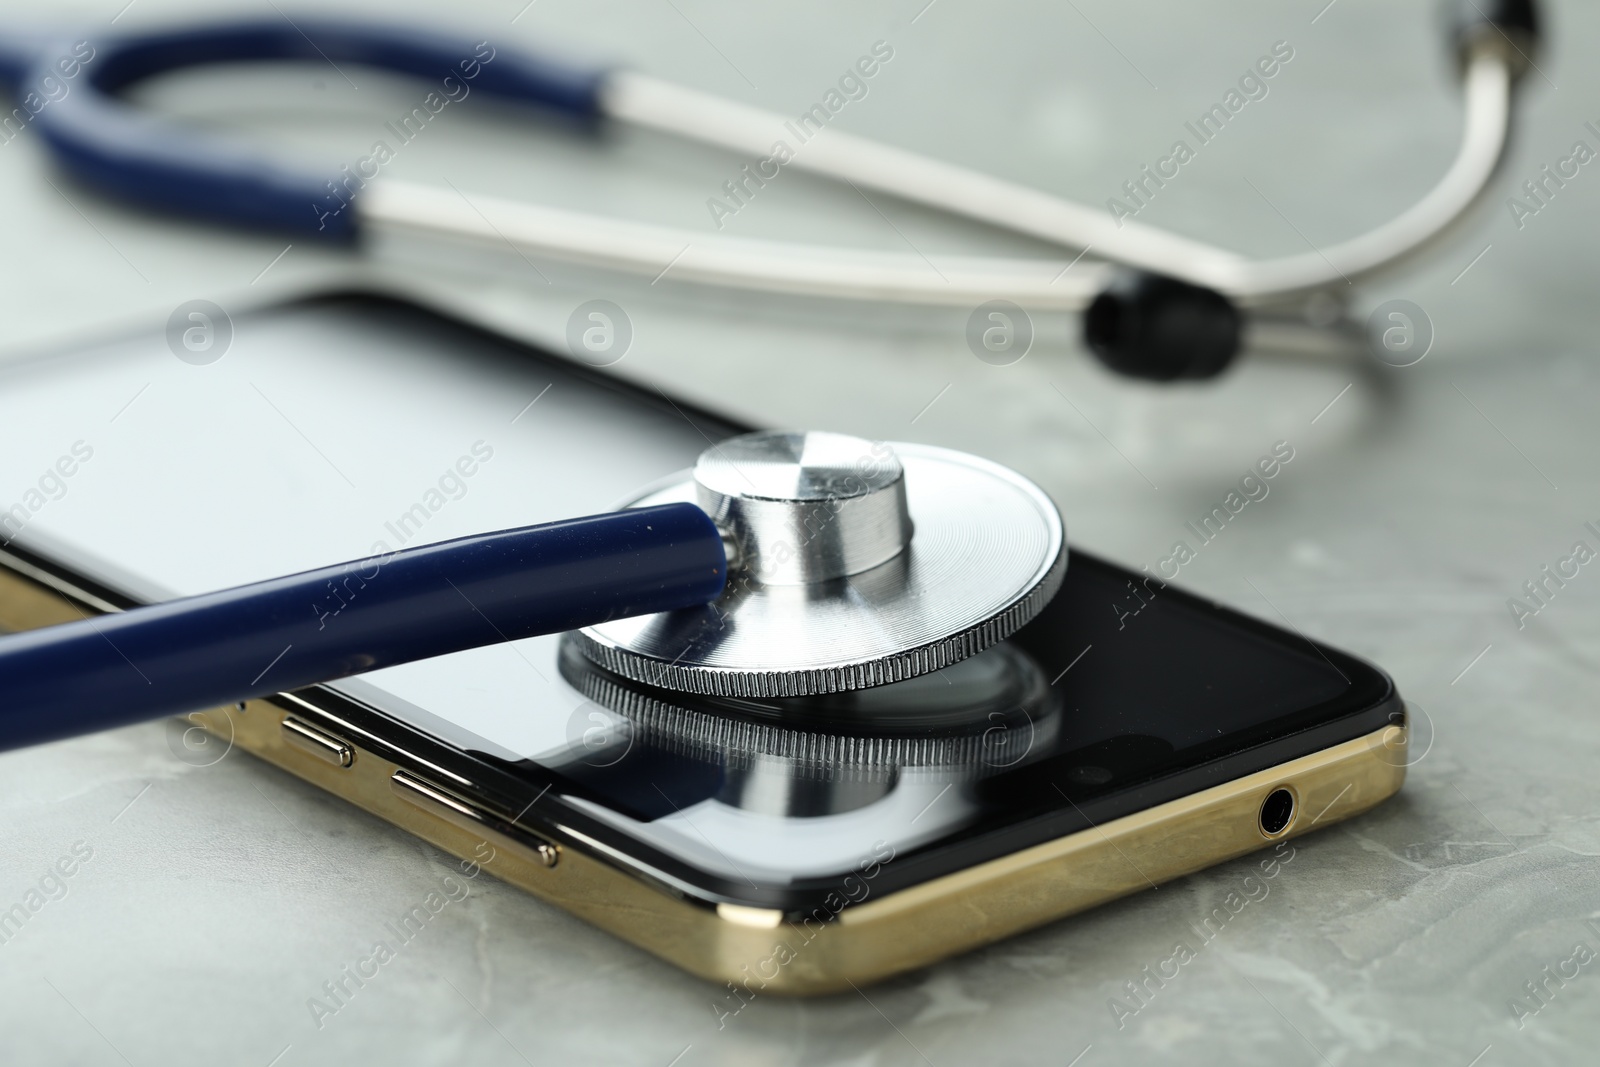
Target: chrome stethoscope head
(851,564)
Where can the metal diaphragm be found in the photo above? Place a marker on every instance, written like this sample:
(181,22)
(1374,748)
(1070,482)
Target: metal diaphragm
(853,564)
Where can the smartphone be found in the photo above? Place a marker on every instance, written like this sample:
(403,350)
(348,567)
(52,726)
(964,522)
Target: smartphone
(1130,734)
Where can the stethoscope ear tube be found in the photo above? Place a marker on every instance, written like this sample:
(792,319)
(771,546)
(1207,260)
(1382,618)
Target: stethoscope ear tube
(108,144)
(283,634)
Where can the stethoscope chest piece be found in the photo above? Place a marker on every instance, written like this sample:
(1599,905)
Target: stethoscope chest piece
(852,564)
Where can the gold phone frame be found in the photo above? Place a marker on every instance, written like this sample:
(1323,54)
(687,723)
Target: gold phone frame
(759,949)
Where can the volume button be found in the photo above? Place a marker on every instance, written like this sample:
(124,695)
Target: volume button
(318,742)
(420,792)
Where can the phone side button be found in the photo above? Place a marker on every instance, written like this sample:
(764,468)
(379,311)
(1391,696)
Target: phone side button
(318,742)
(454,810)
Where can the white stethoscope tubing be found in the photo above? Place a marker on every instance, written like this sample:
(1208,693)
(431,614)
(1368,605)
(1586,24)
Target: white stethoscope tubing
(392,208)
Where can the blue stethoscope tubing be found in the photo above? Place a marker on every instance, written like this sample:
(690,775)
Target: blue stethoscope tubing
(107,143)
(224,647)
(114,147)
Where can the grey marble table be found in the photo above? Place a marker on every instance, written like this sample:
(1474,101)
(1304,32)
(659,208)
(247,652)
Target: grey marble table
(206,904)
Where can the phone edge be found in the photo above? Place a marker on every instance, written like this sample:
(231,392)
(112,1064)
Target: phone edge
(856,937)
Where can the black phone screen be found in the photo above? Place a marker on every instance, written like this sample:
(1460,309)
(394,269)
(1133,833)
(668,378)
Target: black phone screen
(1122,694)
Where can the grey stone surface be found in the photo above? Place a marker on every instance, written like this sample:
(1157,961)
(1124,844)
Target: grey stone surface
(219,898)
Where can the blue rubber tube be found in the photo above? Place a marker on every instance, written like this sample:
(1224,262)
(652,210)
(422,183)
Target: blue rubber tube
(127,153)
(286,633)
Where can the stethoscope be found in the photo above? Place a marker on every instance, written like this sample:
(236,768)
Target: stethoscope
(782,565)
(1156,305)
